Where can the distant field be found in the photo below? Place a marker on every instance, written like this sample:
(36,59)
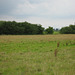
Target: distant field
(35,54)
(56,32)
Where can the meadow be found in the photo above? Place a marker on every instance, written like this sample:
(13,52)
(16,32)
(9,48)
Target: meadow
(37,54)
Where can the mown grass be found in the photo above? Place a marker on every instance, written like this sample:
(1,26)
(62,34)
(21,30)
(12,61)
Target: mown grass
(34,55)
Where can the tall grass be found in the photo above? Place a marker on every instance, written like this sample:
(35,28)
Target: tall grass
(37,55)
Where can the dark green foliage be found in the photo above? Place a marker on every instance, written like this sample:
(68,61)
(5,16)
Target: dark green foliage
(40,29)
(8,27)
(49,30)
(68,30)
(73,28)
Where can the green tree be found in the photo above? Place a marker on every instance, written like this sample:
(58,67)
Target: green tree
(49,30)
(40,29)
(73,28)
(68,30)
(12,27)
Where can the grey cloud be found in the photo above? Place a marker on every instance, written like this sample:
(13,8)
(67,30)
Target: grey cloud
(39,8)
(6,6)
(45,9)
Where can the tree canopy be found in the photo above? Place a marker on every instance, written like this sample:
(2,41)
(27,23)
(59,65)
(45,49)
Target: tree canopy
(19,28)
(49,30)
(25,28)
(68,30)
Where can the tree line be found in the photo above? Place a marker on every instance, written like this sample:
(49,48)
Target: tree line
(25,28)
(20,28)
(68,29)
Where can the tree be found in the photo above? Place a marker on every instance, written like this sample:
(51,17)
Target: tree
(12,27)
(68,30)
(49,30)
(73,28)
(40,29)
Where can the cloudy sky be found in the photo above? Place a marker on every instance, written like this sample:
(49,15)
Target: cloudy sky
(54,13)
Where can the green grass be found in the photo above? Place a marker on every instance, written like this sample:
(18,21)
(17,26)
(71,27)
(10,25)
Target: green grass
(34,55)
(56,32)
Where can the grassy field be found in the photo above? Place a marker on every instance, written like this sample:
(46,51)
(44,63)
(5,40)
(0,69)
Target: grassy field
(37,54)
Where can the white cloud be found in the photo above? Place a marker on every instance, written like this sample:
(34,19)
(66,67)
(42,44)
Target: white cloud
(56,23)
(48,8)
(56,13)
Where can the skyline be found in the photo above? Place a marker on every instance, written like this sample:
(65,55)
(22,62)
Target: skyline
(54,13)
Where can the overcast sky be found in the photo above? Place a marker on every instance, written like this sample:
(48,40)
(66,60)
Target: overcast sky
(54,13)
